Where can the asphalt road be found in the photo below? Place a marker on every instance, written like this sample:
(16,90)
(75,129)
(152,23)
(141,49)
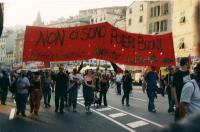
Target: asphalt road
(114,118)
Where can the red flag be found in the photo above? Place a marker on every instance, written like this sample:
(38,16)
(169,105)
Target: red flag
(116,68)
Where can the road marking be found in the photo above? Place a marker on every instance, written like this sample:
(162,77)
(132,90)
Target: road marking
(138,99)
(141,118)
(109,118)
(104,109)
(137,124)
(117,115)
(135,98)
(82,101)
(80,98)
(80,95)
(12,113)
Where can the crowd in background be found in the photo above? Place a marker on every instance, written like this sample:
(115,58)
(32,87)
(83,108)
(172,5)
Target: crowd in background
(180,84)
(31,86)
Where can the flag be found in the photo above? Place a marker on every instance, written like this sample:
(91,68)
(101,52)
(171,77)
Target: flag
(80,67)
(116,68)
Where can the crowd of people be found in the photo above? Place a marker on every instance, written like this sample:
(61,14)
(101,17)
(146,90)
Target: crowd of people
(181,86)
(31,87)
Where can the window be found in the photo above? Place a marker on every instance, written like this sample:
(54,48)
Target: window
(156,27)
(129,22)
(104,17)
(163,25)
(141,7)
(154,13)
(141,19)
(151,12)
(158,11)
(181,44)
(96,20)
(130,10)
(92,21)
(182,19)
(165,9)
(151,28)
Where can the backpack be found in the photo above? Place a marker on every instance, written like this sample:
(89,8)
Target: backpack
(13,87)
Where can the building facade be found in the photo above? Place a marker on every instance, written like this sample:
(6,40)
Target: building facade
(113,15)
(19,47)
(71,22)
(184,28)
(3,40)
(10,58)
(149,17)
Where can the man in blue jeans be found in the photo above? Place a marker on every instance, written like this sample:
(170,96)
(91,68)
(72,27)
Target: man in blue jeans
(75,79)
(151,80)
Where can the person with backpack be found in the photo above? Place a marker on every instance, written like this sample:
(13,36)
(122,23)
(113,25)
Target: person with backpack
(22,86)
(190,96)
(4,85)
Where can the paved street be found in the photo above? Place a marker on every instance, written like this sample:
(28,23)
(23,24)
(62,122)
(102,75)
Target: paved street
(115,117)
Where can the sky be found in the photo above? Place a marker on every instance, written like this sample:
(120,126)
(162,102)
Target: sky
(24,12)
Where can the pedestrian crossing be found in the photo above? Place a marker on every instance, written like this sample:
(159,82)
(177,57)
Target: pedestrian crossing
(104,109)
(129,121)
(137,124)
(117,115)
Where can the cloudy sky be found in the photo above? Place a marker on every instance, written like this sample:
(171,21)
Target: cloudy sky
(24,12)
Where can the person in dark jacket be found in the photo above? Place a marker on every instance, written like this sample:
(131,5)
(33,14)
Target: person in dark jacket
(151,80)
(127,87)
(4,85)
(61,81)
(104,85)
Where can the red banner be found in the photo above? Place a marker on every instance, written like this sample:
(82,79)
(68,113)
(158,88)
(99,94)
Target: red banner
(101,41)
